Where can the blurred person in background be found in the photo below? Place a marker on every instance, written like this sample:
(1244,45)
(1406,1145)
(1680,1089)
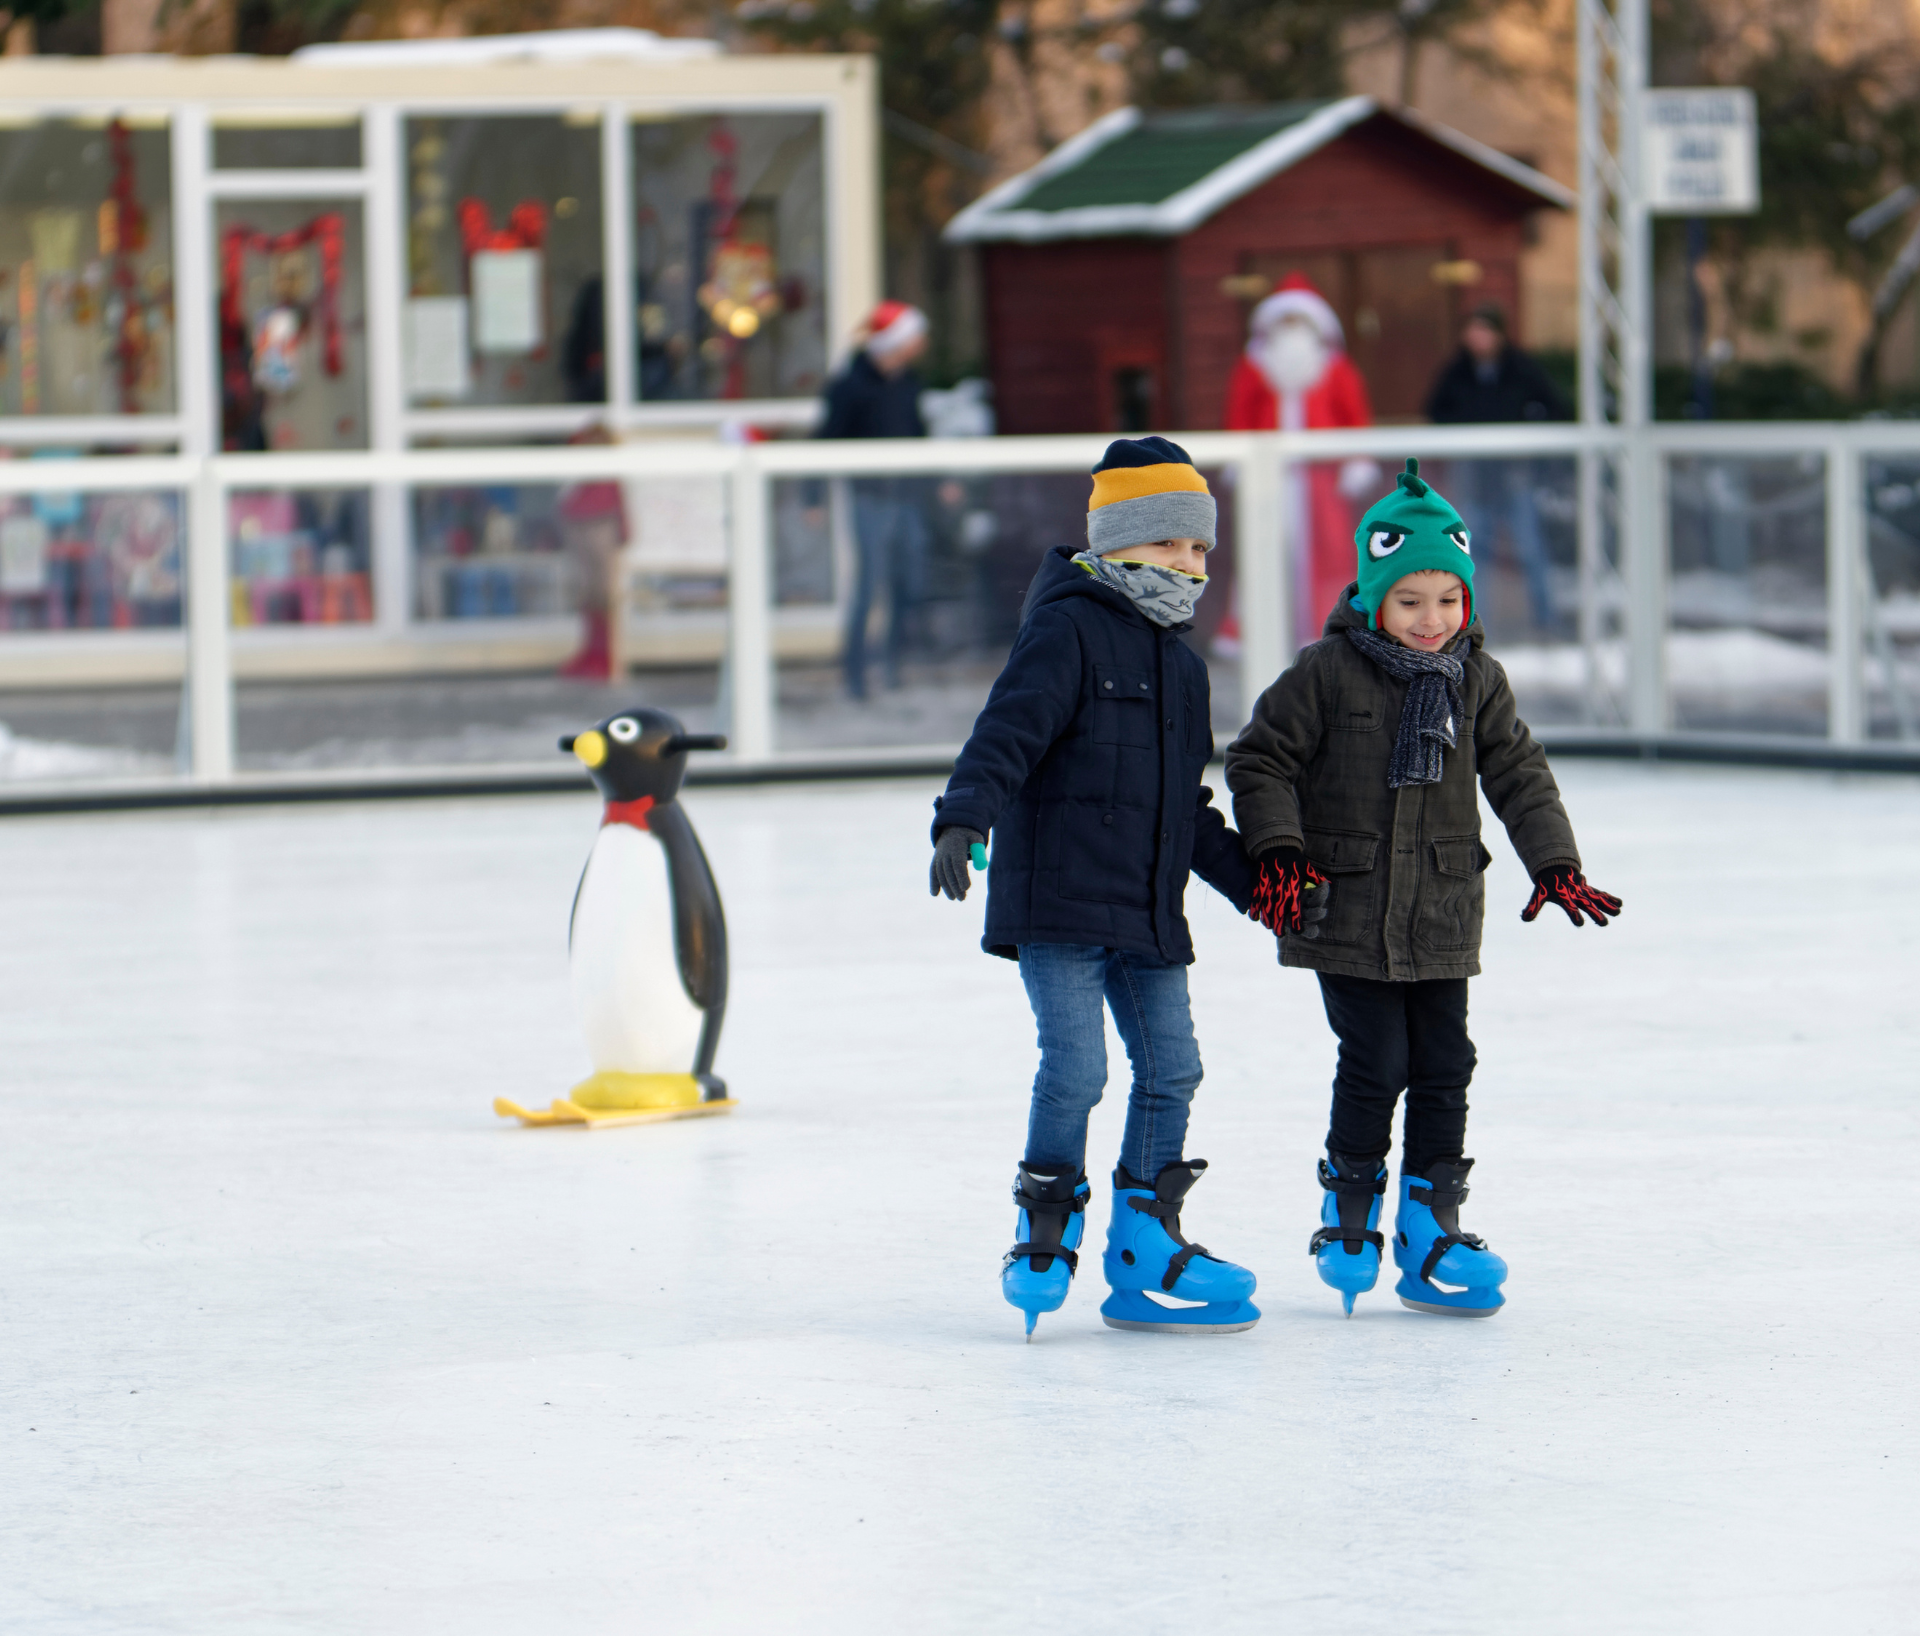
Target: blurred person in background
(593,525)
(878,395)
(1490,381)
(1295,376)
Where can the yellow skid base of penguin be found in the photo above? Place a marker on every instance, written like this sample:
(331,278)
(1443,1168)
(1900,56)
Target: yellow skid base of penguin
(647,944)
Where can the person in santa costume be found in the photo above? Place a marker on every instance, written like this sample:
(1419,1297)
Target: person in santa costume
(1294,376)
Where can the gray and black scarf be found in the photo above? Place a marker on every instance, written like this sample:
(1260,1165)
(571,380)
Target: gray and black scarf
(1164,595)
(1432,707)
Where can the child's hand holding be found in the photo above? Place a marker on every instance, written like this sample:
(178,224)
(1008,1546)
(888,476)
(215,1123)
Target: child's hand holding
(1290,897)
(951,850)
(1561,883)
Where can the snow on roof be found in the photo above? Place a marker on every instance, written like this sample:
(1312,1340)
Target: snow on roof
(560,45)
(1163,174)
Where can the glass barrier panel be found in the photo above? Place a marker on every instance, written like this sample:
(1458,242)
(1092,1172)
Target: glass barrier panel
(1891,598)
(279,140)
(505,296)
(1747,594)
(91,643)
(897,600)
(540,609)
(293,324)
(300,557)
(729,256)
(86,268)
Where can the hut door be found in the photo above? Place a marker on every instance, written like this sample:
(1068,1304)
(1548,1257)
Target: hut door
(1400,330)
(1131,388)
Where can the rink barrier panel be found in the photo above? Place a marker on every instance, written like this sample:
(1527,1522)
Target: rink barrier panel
(1637,461)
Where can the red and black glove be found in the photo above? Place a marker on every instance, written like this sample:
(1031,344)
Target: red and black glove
(1561,883)
(1278,901)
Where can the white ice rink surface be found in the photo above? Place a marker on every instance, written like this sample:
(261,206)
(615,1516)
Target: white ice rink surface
(298,1337)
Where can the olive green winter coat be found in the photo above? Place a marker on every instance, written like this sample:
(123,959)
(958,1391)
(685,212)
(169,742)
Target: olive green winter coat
(1310,770)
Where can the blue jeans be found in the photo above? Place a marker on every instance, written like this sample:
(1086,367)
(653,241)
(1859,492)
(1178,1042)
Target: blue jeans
(1492,491)
(890,536)
(1066,984)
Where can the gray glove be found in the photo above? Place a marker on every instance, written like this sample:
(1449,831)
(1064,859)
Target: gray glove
(1314,902)
(951,849)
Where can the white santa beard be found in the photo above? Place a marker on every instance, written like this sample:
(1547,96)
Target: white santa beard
(1293,359)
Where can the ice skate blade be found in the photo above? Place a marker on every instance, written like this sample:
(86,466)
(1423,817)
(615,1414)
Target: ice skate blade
(564,1112)
(1466,1303)
(1129,1309)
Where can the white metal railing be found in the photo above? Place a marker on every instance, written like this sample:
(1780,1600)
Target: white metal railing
(1621,475)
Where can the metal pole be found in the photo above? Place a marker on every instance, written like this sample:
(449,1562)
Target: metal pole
(1645,558)
(1587,567)
(209,639)
(1846,716)
(749,612)
(1260,573)
(387,284)
(616,252)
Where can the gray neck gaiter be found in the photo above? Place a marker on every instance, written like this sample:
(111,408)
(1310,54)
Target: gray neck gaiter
(1164,595)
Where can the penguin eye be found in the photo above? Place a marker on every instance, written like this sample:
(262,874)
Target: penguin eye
(1461,538)
(626,729)
(1383,542)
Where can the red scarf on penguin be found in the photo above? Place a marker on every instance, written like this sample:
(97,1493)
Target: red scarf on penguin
(1295,375)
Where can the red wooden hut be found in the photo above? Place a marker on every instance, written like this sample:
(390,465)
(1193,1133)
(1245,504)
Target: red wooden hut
(1119,272)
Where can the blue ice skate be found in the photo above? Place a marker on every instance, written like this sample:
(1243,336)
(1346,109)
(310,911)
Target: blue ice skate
(1430,1250)
(1037,1271)
(1348,1245)
(1145,1251)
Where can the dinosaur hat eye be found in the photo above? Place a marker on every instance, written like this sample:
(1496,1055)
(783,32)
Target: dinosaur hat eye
(626,729)
(1460,537)
(1383,542)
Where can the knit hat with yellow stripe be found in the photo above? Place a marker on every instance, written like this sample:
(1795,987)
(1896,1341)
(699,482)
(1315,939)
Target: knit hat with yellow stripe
(1145,489)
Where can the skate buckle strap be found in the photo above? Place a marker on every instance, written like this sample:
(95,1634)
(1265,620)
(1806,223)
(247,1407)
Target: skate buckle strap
(1049,1207)
(1444,1243)
(1426,1192)
(1334,1182)
(1344,1235)
(1150,1206)
(1178,1264)
(1071,1257)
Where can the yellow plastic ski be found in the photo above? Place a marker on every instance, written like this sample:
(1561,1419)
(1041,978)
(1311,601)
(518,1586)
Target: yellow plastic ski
(564,1112)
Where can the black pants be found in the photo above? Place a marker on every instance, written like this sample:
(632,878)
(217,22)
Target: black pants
(1395,1037)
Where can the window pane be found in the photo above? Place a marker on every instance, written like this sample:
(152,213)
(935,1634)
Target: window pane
(300,557)
(86,269)
(730,256)
(503,259)
(323,142)
(293,325)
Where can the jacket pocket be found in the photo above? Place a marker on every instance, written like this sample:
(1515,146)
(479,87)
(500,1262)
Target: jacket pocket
(1453,895)
(1348,860)
(1124,704)
(1358,707)
(1107,853)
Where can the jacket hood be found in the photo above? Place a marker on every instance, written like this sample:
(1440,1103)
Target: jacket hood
(1345,616)
(1060,577)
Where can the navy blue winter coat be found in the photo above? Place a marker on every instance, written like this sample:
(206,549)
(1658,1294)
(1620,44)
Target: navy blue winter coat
(1085,765)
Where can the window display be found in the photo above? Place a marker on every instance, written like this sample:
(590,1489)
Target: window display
(293,366)
(730,256)
(496,553)
(86,269)
(90,561)
(503,261)
(300,557)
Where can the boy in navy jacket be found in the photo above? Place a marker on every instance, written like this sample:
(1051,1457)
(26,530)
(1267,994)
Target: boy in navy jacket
(1085,766)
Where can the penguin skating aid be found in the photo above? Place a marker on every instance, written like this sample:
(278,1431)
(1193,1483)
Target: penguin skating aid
(1431,1251)
(1037,1272)
(1346,1249)
(647,941)
(1147,1252)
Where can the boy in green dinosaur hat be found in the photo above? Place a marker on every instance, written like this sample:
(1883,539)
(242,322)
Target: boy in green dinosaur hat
(1356,779)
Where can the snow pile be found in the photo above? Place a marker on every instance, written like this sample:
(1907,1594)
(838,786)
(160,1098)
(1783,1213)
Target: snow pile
(25,760)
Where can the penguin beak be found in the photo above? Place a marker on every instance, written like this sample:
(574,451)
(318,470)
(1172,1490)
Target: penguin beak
(591,748)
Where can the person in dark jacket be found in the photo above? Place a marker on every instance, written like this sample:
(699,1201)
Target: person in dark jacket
(1490,381)
(1085,767)
(1354,784)
(878,395)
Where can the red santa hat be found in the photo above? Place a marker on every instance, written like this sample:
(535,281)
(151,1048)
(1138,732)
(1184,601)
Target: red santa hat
(1297,298)
(893,325)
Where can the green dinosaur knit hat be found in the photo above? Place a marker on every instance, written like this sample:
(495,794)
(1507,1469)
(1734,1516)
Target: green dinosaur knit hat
(1410,529)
